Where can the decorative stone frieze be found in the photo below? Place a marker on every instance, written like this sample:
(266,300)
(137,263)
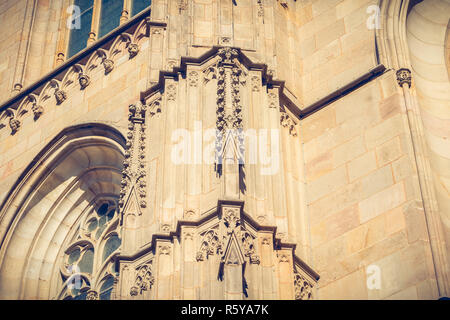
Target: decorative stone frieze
(36,100)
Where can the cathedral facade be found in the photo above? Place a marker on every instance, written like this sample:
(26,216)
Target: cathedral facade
(224,149)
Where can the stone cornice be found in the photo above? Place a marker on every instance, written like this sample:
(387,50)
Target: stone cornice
(343,91)
(278,244)
(267,78)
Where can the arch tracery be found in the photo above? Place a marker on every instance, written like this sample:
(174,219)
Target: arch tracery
(48,214)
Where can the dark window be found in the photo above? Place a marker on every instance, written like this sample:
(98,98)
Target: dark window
(78,37)
(139,5)
(109,16)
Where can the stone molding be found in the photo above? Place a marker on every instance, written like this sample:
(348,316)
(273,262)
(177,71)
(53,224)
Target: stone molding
(125,40)
(227,232)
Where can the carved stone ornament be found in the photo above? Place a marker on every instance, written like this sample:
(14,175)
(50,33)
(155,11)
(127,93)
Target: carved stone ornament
(249,248)
(155,107)
(193,78)
(171,92)
(210,245)
(108,64)
(84,80)
(92,295)
(144,280)
(404,76)
(228,54)
(37,110)
(189,214)
(134,173)
(256,82)
(231,218)
(287,122)
(60,96)
(133,50)
(260,8)
(273,100)
(302,287)
(14,124)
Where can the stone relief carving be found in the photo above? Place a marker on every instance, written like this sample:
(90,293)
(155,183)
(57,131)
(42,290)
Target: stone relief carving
(404,76)
(133,49)
(14,124)
(171,92)
(134,173)
(287,122)
(37,110)
(260,8)
(210,245)
(34,101)
(155,107)
(302,287)
(273,100)
(144,279)
(248,246)
(108,64)
(92,295)
(189,214)
(60,96)
(193,78)
(84,80)
(256,82)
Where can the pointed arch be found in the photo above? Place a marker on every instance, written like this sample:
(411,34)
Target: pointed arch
(47,203)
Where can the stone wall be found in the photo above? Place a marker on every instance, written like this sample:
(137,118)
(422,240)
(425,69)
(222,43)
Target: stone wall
(363,197)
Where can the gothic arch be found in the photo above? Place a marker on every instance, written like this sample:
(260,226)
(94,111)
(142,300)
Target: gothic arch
(79,166)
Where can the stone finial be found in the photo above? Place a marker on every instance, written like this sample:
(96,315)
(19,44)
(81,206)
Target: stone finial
(404,76)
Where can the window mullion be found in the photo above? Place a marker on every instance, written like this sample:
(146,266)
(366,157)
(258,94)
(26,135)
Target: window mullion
(93,35)
(126,11)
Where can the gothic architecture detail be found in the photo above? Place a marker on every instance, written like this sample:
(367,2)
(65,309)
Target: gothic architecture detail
(144,280)
(404,76)
(134,173)
(212,150)
(303,287)
(287,122)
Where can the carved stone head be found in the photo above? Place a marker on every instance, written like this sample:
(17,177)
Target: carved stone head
(109,65)
(133,49)
(14,124)
(60,96)
(37,110)
(84,80)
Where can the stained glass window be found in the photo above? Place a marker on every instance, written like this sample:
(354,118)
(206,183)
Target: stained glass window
(89,255)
